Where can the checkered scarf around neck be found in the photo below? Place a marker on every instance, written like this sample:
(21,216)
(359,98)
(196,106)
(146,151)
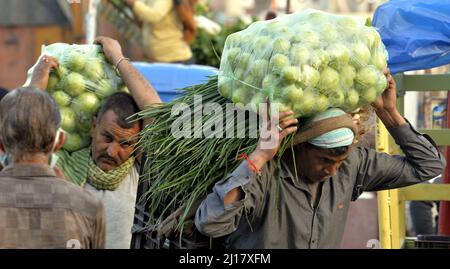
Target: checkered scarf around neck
(80,168)
(108,180)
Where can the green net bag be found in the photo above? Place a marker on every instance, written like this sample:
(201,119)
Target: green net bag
(305,62)
(79,86)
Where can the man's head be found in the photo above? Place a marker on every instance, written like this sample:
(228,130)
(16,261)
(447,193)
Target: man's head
(113,133)
(29,120)
(324,143)
(3,92)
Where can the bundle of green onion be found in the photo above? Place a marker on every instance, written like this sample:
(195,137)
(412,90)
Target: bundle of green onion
(182,170)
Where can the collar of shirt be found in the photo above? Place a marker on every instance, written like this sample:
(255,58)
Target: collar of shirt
(287,174)
(28,170)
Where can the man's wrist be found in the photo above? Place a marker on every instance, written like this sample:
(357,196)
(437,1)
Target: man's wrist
(120,62)
(259,159)
(390,117)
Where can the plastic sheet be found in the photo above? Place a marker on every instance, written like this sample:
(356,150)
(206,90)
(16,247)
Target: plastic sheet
(416,33)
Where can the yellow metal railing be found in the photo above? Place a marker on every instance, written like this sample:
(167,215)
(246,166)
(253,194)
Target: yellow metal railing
(391,203)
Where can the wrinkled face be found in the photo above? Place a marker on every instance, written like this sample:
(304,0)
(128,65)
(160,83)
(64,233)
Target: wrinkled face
(111,144)
(318,165)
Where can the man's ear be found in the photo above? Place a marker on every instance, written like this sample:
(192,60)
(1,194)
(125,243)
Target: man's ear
(61,140)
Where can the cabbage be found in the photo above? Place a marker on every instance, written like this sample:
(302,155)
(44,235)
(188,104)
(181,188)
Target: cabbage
(300,54)
(336,98)
(292,94)
(244,60)
(233,40)
(73,84)
(311,38)
(73,142)
(53,82)
(329,33)
(379,60)
(310,76)
(329,78)
(278,62)
(348,26)
(87,103)
(351,100)
(347,74)
(263,45)
(225,86)
(94,70)
(281,45)
(279,106)
(259,69)
(257,99)
(368,95)
(339,55)
(367,77)
(68,119)
(381,83)
(306,106)
(361,54)
(370,37)
(232,55)
(322,103)
(84,122)
(124,89)
(290,74)
(62,98)
(75,61)
(104,88)
(319,59)
(242,96)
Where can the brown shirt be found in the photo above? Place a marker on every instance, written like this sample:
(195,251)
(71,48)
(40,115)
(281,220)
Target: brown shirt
(40,210)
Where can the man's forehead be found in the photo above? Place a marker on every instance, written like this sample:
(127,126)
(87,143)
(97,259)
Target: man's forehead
(324,153)
(109,122)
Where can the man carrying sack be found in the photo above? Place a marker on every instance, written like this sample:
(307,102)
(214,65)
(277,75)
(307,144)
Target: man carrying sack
(303,203)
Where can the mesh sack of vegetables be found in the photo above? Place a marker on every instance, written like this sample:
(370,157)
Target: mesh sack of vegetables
(80,84)
(307,62)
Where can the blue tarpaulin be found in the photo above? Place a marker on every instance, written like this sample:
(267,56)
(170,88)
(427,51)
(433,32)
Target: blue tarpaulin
(416,33)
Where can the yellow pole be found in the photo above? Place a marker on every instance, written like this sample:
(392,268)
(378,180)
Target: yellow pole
(384,219)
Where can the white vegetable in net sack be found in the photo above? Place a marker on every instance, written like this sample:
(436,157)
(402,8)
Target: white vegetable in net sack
(305,62)
(80,84)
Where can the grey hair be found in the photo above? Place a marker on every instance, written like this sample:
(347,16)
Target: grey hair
(29,120)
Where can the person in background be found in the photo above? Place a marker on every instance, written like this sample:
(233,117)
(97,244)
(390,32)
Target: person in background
(109,167)
(168,28)
(38,209)
(270,15)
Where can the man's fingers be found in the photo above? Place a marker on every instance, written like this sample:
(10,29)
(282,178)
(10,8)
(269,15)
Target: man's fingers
(288,122)
(53,63)
(285,114)
(99,40)
(287,132)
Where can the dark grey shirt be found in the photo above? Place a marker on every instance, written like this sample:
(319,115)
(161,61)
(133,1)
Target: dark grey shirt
(265,218)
